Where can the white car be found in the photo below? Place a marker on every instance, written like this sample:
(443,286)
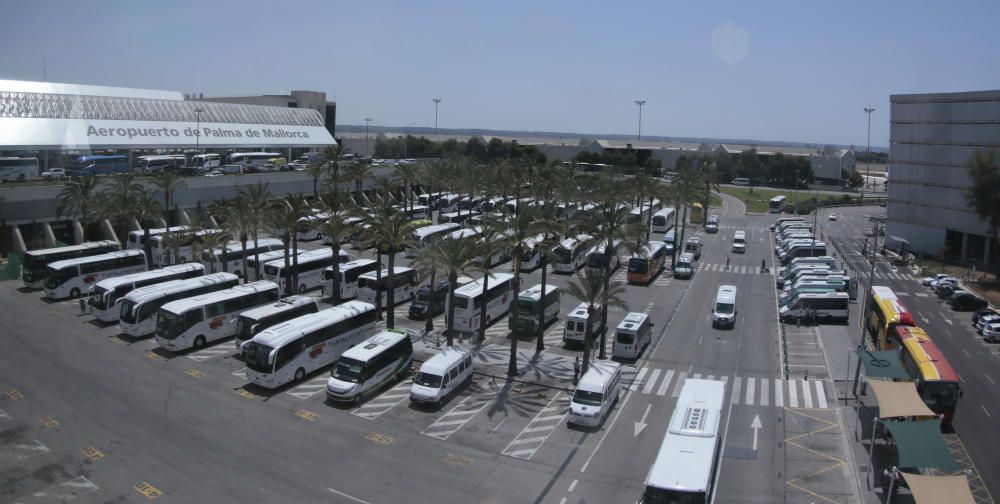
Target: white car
(926,281)
(986,321)
(991,332)
(938,281)
(54,173)
(214,173)
(833,217)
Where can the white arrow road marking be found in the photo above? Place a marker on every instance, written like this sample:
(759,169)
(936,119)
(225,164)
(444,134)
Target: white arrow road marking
(756,426)
(641,424)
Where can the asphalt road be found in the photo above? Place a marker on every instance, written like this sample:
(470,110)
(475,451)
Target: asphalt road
(977,362)
(85,413)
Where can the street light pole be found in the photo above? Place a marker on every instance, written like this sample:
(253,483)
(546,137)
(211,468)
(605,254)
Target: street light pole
(367,120)
(436,102)
(406,137)
(640,103)
(868,152)
(797,194)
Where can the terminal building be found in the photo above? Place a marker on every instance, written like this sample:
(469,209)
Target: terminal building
(315,100)
(932,139)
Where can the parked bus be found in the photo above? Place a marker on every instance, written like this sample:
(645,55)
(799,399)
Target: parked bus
(598,257)
(696,213)
(469,301)
(644,265)
(575,330)
(456,217)
(73,277)
(633,334)
(155,164)
(137,238)
(684,469)
(137,316)
(257,160)
(367,367)
(405,282)
(205,162)
(195,321)
(262,259)
(740,181)
(885,311)
(819,307)
(19,169)
(531,253)
(163,251)
(99,165)
(349,274)
(936,381)
(430,199)
(289,351)
(530,303)
(663,220)
(640,214)
(777,204)
(418,212)
(255,320)
(448,203)
(310,266)
(34,265)
(427,235)
(571,253)
(107,293)
(232,260)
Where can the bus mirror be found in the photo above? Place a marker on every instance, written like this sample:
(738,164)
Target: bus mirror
(961,393)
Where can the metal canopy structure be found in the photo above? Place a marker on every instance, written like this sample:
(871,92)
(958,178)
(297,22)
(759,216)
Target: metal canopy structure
(882,364)
(39,115)
(920,445)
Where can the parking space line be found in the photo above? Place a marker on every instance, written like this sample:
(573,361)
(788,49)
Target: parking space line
(62,492)
(651,382)
(384,402)
(559,401)
(307,389)
(665,384)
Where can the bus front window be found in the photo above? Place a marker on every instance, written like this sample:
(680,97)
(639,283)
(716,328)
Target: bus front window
(637,265)
(348,370)
(525,306)
(940,396)
(56,278)
(257,357)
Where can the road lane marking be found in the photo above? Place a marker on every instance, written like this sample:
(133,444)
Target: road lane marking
(450,422)
(147,490)
(196,373)
(307,415)
(793,396)
(451,458)
(984,374)
(573,485)
(820,394)
(737,382)
(751,387)
(14,394)
(67,490)
(806,395)
(648,388)
(4,415)
(92,453)
(985,410)
(681,378)
(638,378)
(48,422)
(245,393)
(380,438)
(764,392)
(353,498)
(517,447)
(665,384)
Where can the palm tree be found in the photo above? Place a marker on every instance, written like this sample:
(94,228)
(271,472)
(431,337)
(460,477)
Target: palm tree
(146,208)
(453,258)
(589,287)
(491,240)
(219,240)
(358,172)
(707,178)
(548,228)
(426,266)
(408,174)
(335,227)
(256,197)
(390,230)
(235,221)
(117,202)
(300,208)
(78,199)
(168,182)
(684,189)
(283,219)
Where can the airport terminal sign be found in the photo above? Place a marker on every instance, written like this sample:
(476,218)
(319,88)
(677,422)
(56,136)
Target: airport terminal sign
(82,133)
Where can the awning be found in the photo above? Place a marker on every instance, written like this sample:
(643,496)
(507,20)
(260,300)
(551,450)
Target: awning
(883,364)
(919,444)
(898,399)
(935,489)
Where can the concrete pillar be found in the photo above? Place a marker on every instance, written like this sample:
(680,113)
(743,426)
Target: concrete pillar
(16,240)
(162,223)
(965,243)
(77,231)
(109,230)
(212,221)
(48,237)
(183,216)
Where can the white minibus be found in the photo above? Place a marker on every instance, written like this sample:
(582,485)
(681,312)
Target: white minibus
(289,351)
(73,277)
(441,375)
(663,220)
(104,297)
(531,253)
(596,393)
(349,274)
(405,282)
(740,242)
(195,321)
(255,320)
(365,368)
(633,334)
(684,266)
(601,256)
(469,301)
(819,307)
(576,326)
(571,253)
(138,310)
(724,311)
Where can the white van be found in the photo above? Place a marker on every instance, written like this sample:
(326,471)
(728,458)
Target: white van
(576,325)
(441,375)
(685,266)
(597,391)
(632,335)
(363,369)
(740,242)
(724,312)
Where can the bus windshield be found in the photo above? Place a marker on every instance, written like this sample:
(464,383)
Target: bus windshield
(724,308)
(526,306)
(654,495)
(100,298)
(169,325)
(257,355)
(588,397)
(58,277)
(428,380)
(638,265)
(348,370)
(245,328)
(940,396)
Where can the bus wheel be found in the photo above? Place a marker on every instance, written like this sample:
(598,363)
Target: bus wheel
(75,293)
(199,342)
(239,274)
(302,289)
(300,374)
(183,260)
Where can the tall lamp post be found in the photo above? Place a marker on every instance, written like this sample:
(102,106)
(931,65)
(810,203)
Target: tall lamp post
(640,103)
(797,193)
(868,152)
(406,137)
(367,120)
(436,102)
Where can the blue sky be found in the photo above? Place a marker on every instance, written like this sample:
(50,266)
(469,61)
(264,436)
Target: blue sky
(795,71)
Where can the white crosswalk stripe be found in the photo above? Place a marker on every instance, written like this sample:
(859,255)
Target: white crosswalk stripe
(749,391)
(383,402)
(224,348)
(450,422)
(310,388)
(534,435)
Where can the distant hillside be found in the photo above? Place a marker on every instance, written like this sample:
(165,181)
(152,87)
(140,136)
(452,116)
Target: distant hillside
(470,132)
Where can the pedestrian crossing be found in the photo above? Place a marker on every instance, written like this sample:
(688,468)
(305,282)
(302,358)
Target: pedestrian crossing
(748,391)
(383,402)
(895,275)
(450,422)
(309,388)
(737,269)
(533,435)
(212,352)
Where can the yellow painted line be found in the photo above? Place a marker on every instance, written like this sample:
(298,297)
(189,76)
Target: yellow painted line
(93,453)
(149,491)
(457,460)
(115,339)
(48,421)
(308,415)
(379,438)
(152,356)
(243,393)
(195,373)
(14,394)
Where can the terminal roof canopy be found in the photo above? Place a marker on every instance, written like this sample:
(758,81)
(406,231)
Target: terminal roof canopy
(39,115)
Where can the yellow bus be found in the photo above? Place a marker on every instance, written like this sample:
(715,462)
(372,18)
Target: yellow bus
(885,312)
(697,213)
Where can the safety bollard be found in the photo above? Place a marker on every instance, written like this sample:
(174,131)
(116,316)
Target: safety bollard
(83,306)
(806,378)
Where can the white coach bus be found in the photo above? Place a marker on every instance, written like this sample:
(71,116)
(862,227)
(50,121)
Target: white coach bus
(233,258)
(310,266)
(73,277)
(289,351)
(137,238)
(137,316)
(192,322)
(469,301)
(684,469)
(34,266)
(264,258)
(255,320)
(404,284)
(107,293)
(163,251)
(349,273)
(663,220)
(571,253)
(427,235)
